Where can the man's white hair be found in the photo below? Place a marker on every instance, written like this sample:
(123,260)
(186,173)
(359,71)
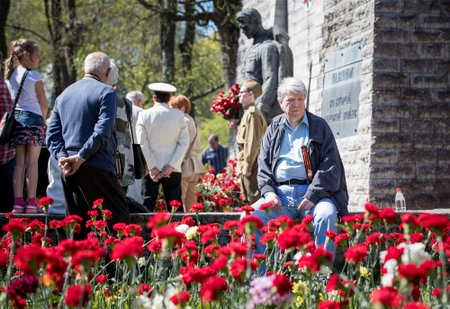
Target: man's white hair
(97,62)
(290,84)
(113,76)
(134,96)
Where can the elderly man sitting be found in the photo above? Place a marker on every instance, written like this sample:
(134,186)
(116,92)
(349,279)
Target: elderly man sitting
(282,176)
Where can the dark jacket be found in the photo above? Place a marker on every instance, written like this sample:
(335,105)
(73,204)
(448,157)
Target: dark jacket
(329,175)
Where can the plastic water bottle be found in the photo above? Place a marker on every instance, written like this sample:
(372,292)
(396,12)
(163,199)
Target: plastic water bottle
(400,204)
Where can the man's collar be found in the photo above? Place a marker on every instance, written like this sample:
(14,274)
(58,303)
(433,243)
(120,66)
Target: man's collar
(304,121)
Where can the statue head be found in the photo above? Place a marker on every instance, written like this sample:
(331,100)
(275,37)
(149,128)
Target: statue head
(250,22)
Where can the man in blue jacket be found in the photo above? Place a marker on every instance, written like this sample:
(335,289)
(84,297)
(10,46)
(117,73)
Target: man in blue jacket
(81,137)
(283,177)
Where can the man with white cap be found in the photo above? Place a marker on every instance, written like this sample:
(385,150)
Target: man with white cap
(164,138)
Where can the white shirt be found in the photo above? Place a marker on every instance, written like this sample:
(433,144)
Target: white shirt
(134,118)
(163,135)
(28,100)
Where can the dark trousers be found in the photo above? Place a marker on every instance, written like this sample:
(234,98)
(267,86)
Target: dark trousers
(89,184)
(6,188)
(171,188)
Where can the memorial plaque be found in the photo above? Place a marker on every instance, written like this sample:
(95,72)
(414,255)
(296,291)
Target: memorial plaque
(340,104)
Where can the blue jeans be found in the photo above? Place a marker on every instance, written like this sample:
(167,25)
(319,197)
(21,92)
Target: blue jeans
(324,212)
(27,118)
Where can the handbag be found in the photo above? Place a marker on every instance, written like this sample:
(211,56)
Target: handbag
(8,123)
(140,165)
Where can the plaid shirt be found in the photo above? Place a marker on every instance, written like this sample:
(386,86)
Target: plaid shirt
(7,153)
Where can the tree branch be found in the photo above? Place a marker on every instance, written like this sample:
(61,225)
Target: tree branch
(204,94)
(22,28)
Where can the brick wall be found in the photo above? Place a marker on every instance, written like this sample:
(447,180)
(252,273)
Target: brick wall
(411,110)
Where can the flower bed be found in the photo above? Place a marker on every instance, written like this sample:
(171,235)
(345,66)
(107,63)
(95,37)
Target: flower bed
(182,264)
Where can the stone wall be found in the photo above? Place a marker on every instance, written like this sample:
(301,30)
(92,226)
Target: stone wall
(403,134)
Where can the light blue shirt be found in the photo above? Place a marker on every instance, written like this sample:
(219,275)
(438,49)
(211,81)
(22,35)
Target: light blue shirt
(290,161)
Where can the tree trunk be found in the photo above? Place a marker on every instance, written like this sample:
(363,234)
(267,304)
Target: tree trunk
(224,19)
(64,39)
(167,41)
(4,11)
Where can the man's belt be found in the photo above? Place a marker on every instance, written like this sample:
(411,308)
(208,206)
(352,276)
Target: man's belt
(293,182)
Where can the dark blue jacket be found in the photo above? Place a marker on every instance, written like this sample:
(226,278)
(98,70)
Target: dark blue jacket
(83,122)
(329,175)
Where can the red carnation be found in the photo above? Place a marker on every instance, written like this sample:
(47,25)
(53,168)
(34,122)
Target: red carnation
(292,238)
(98,204)
(386,296)
(144,289)
(196,207)
(158,219)
(388,214)
(78,295)
(213,288)
(252,223)
(329,304)
(128,248)
(314,260)
(357,253)
(282,283)
(175,205)
(416,306)
(433,222)
(180,298)
(30,258)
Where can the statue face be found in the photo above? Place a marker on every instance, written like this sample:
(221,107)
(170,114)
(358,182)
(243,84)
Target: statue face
(248,28)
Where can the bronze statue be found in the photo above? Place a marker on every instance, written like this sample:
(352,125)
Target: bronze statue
(268,61)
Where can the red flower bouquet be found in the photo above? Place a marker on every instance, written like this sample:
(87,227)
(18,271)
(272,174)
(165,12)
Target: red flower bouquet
(227,104)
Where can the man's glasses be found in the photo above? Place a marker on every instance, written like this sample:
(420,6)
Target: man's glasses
(244,91)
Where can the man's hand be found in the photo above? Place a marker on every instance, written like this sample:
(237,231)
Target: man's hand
(69,165)
(167,170)
(272,197)
(247,174)
(305,205)
(155,174)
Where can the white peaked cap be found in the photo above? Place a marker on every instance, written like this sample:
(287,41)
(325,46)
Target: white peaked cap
(162,87)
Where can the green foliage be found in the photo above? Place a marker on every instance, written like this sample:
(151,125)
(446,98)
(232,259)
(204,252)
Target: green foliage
(129,34)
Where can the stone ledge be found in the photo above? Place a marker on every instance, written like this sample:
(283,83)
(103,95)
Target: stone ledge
(203,218)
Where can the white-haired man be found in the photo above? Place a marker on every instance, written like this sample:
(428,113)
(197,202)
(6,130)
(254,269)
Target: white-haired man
(285,177)
(81,137)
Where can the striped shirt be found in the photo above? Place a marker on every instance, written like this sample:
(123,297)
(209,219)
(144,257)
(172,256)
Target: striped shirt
(7,153)
(217,159)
